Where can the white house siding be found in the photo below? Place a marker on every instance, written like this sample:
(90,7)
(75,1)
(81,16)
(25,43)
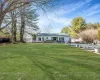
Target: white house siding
(49,38)
(66,39)
(45,38)
(28,38)
(37,39)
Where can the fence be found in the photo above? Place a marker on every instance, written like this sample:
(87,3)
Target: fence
(92,47)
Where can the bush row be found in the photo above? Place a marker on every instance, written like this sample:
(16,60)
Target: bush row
(5,40)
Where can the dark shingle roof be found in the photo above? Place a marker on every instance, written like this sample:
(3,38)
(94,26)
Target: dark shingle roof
(53,34)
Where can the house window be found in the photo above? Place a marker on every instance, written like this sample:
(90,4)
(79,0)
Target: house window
(54,38)
(43,38)
(39,38)
(61,38)
(47,38)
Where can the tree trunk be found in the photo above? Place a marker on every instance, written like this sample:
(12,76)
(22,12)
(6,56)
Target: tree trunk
(22,28)
(14,27)
(1,20)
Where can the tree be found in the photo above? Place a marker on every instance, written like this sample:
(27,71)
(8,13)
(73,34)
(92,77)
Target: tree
(14,26)
(93,25)
(22,27)
(73,33)
(26,17)
(65,29)
(99,34)
(80,29)
(97,24)
(7,6)
(28,21)
(5,33)
(22,20)
(78,24)
(34,37)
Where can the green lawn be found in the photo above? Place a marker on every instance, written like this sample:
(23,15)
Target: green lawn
(47,62)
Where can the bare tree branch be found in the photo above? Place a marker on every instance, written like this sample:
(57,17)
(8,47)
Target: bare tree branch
(5,26)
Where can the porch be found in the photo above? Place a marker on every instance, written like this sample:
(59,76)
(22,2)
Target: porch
(54,39)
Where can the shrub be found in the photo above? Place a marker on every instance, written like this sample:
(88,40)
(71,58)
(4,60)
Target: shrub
(34,37)
(89,35)
(4,40)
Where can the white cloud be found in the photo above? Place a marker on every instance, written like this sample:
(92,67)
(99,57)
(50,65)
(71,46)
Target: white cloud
(49,22)
(92,10)
(92,13)
(72,7)
(55,21)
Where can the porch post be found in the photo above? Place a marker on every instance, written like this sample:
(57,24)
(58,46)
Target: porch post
(58,38)
(37,39)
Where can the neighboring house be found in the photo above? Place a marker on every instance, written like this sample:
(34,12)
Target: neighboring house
(42,37)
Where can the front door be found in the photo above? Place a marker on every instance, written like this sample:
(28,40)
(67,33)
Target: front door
(54,38)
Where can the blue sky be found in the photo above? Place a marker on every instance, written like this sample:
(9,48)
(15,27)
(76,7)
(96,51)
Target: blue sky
(65,10)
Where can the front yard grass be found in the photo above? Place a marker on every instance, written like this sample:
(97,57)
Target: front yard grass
(47,62)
